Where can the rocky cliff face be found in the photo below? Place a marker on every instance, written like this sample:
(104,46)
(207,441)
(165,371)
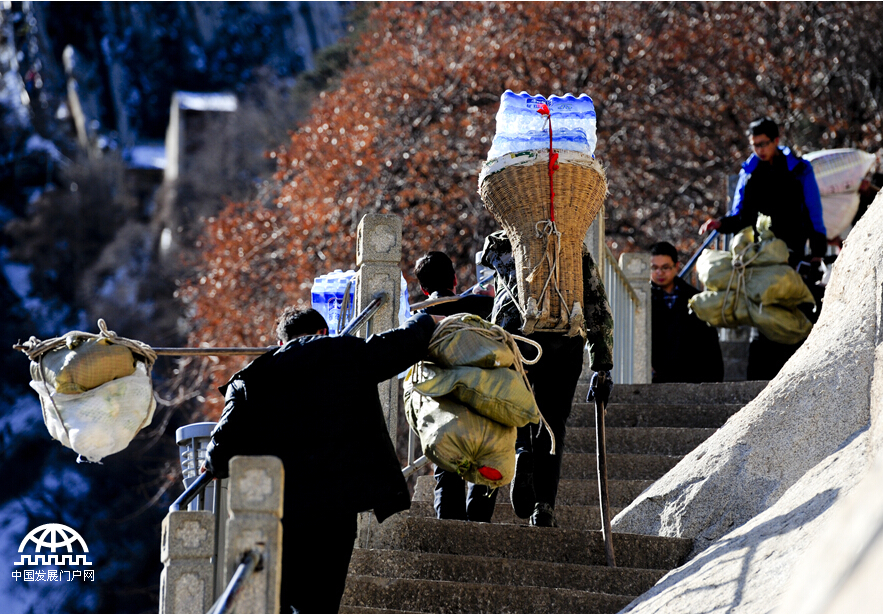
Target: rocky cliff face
(796,473)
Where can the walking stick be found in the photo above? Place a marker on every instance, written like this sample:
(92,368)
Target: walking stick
(599,392)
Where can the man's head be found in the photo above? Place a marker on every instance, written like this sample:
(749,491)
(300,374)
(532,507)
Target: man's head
(663,265)
(435,272)
(297,322)
(764,135)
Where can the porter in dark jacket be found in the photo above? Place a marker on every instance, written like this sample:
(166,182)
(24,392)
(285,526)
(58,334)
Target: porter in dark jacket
(314,404)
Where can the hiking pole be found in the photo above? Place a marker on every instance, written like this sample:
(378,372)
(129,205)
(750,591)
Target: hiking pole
(599,392)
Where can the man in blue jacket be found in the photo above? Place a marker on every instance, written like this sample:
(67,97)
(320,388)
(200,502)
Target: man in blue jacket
(775,182)
(314,403)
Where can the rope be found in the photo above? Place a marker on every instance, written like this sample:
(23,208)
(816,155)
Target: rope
(738,273)
(450,326)
(548,231)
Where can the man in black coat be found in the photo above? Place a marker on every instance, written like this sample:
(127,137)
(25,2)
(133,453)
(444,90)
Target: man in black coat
(314,404)
(437,278)
(685,349)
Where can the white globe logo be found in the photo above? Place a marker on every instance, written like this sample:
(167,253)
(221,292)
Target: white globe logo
(53,536)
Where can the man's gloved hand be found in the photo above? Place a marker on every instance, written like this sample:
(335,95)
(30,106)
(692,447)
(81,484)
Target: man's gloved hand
(600,387)
(818,244)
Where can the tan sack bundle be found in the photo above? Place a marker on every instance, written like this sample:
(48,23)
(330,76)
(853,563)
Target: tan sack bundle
(474,343)
(753,285)
(457,439)
(95,389)
(500,394)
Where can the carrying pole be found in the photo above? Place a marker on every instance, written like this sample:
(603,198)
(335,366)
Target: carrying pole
(600,440)
(372,307)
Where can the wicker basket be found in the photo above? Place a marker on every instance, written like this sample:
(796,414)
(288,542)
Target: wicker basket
(515,189)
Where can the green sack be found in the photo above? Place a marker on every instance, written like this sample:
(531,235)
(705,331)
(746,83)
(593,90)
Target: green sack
(468,347)
(780,324)
(720,309)
(715,267)
(499,394)
(456,439)
(777,285)
(83,364)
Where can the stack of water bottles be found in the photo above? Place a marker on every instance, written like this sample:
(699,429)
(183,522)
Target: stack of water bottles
(328,294)
(521,128)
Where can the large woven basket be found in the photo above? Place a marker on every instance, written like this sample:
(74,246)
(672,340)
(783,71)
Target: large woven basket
(515,189)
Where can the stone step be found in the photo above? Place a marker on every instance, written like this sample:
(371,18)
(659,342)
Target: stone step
(494,571)
(355,609)
(648,414)
(583,517)
(677,394)
(584,466)
(660,441)
(428,535)
(466,598)
(570,492)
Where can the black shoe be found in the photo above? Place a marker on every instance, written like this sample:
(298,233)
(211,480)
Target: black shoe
(521,489)
(543,516)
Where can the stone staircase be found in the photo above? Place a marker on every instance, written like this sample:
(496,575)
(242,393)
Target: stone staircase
(414,563)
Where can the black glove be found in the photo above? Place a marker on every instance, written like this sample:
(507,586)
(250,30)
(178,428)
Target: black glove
(818,244)
(600,387)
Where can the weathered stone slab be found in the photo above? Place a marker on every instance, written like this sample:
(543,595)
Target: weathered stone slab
(775,480)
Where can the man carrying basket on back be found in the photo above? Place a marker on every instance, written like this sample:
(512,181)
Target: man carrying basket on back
(545,195)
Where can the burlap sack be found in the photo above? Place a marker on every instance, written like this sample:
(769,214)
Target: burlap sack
(499,394)
(456,439)
(82,365)
(467,347)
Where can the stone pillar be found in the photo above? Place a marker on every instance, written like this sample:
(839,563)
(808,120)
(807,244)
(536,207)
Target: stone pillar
(256,488)
(378,256)
(636,267)
(186,582)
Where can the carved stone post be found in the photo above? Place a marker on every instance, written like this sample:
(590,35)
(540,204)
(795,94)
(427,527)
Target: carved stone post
(637,270)
(256,489)
(188,540)
(378,254)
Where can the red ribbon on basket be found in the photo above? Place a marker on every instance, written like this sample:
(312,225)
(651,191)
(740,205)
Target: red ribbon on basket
(553,160)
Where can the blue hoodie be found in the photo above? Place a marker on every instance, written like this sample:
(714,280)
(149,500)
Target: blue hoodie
(806,176)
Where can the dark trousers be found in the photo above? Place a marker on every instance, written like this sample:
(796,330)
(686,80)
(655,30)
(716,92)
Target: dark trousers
(554,380)
(766,358)
(316,552)
(452,502)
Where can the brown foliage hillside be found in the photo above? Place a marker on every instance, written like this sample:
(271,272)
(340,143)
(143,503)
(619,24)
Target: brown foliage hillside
(406,130)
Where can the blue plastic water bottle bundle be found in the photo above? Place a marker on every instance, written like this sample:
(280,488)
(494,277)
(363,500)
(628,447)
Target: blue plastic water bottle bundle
(521,128)
(327,297)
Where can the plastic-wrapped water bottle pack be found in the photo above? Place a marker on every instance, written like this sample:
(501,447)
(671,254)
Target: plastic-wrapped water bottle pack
(327,297)
(521,128)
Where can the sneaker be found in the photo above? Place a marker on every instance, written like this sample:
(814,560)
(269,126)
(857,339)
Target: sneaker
(543,516)
(521,490)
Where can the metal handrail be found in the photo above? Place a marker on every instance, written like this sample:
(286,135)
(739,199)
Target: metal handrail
(692,261)
(366,314)
(197,489)
(227,601)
